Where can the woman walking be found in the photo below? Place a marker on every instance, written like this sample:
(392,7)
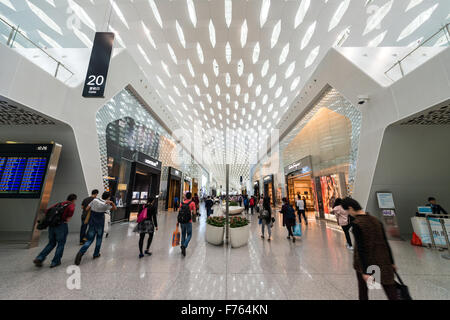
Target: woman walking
(147,223)
(266,218)
(372,251)
(343,219)
(288,218)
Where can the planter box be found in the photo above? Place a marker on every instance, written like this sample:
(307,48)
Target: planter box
(233,210)
(239,236)
(214,235)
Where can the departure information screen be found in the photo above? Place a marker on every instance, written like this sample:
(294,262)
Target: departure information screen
(22,173)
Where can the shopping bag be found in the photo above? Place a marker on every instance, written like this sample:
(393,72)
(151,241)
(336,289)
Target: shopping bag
(298,230)
(176,238)
(402,289)
(142,216)
(415,241)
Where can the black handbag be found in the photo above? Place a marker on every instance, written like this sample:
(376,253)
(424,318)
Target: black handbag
(402,289)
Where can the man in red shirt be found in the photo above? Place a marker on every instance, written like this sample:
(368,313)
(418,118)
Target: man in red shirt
(187,210)
(57,235)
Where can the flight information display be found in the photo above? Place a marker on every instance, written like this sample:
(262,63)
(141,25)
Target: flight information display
(22,173)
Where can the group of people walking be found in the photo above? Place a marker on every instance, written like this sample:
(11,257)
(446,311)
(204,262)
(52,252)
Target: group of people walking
(371,245)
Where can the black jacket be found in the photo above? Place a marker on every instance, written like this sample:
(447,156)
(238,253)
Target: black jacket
(152,212)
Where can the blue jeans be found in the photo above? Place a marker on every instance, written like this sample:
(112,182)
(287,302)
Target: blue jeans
(209,211)
(56,236)
(186,228)
(83,229)
(95,230)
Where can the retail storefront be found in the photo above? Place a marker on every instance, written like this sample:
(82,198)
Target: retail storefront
(187,184)
(300,182)
(256,191)
(194,186)
(173,187)
(269,188)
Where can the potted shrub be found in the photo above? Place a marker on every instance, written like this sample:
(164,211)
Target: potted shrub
(239,229)
(215,230)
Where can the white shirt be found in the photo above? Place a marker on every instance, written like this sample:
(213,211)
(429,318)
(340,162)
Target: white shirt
(300,205)
(98,205)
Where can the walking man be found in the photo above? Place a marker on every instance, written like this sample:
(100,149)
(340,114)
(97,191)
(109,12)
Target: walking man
(84,214)
(57,235)
(187,210)
(96,225)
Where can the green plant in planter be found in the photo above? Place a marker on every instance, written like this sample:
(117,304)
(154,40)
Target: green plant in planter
(216,221)
(238,222)
(233,204)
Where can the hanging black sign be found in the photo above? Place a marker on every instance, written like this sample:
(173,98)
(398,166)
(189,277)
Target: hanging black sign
(94,86)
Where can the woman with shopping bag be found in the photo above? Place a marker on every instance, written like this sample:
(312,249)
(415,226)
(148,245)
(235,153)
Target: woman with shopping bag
(147,223)
(288,218)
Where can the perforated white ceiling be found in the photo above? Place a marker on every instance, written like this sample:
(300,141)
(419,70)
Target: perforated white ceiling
(228,64)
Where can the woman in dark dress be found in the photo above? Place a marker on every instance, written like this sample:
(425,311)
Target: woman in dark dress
(288,218)
(147,226)
(265,215)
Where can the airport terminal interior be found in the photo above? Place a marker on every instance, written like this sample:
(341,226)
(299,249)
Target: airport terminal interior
(224,149)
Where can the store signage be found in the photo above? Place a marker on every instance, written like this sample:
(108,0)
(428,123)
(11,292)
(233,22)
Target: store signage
(268,178)
(149,161)
(303,165)
(95,83)
(175,172)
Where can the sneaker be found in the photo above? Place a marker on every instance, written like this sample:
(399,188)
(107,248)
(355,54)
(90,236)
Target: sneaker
(78,258)
(293,239)
(54,265)
(183,251)
(262,236)
(37,263)
(148,252)
(106,236)
(141,255)
(268,239)
(95,257)
(349,247)
(288,237)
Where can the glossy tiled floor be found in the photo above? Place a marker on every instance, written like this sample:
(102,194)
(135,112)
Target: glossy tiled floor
(316,267)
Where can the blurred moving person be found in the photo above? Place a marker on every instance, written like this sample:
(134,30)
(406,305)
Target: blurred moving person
(300,203)
(265,216)
(84,215)
(187,210)
(371,250)
(343,219)
(288,218)
(147,224)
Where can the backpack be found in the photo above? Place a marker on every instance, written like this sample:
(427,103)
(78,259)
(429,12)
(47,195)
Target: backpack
(252,202)
(245,202)
(53,216)
(184,215)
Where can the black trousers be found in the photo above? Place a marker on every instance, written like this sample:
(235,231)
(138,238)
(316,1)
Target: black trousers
(141,241)
(347,233)
(300,214)
(289,229)
(363,291)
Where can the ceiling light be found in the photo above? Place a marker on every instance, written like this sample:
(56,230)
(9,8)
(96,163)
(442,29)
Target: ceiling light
(342,37)
(190,99)
(308,35)
(377,40)
(191,69)
(83,37)
(209,98)
(228,52)
(212,34)
(155,12)
(183,81)
(236,105)
(265,98)
(264,12)
(256,51)
(192,15)
(272,81)
(197,90)
(338,14)
(172,54)
(148,34)
(166,69)
(227,79)
(275,34)
(253,105)
(217,89)
(244,33)
(258,90)
(417,22)
(205,80)
(278,92)
(240,67)
(45,18)
(284,54)
(216,67)
(200,53)
(301,12)
(295,83)
(265,68)
(119,13)
(219,105)
(270,108)
(250,80)
(312,57)
(283,101)
(290,70)
(80,13)
(238,90)
(180,34)
(228,12)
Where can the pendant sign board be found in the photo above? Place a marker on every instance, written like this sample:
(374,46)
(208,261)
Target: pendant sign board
(95,83)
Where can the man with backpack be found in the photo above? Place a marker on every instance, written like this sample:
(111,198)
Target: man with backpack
(84,214)
(252,204)
(98,208)
(56,219)
(187,210)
